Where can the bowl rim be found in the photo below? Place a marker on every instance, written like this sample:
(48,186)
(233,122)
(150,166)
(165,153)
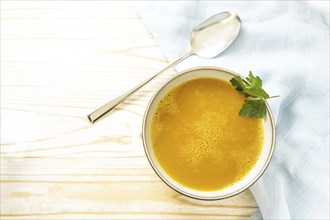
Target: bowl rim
(168,182)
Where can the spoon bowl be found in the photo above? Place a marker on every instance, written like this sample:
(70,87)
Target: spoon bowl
(207,40)
(215,34)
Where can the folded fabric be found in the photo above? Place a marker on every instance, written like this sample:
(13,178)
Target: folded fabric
(287,44)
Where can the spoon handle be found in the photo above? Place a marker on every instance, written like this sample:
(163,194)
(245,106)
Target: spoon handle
(107,108)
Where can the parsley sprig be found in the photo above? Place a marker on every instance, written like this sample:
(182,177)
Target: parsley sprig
(255,104)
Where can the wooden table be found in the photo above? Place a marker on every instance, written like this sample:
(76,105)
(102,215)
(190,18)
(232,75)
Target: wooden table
(59,62)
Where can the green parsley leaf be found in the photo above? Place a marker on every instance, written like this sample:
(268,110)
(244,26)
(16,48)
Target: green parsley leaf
(255,104)
(253,108)
(238,83)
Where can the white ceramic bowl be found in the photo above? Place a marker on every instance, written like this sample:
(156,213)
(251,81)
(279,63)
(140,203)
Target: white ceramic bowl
(248,180)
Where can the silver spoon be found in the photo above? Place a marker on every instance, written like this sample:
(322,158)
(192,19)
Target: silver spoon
(207,40)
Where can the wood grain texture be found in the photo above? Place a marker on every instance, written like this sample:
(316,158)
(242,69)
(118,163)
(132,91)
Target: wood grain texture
(59,62)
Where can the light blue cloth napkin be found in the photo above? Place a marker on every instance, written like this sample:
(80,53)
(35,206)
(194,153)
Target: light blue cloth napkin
(287,45)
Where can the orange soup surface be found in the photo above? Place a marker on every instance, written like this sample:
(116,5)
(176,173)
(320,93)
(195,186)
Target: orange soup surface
(200,140)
